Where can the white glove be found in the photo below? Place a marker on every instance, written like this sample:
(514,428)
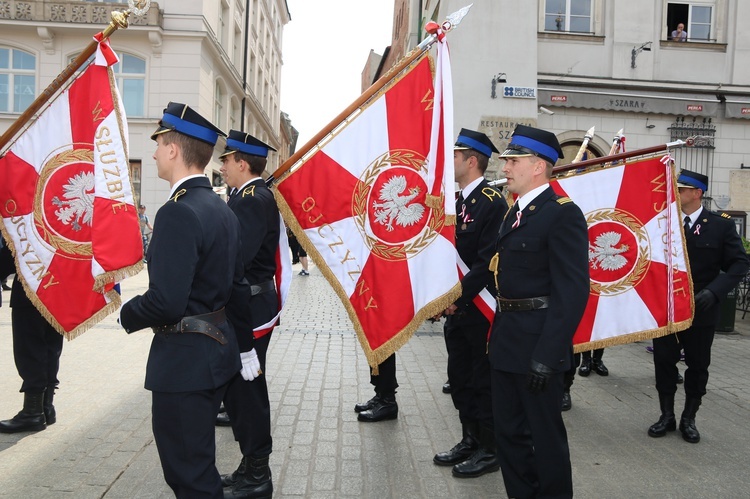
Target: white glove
(250,365)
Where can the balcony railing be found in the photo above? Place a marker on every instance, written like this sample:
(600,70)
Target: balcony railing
(72,12)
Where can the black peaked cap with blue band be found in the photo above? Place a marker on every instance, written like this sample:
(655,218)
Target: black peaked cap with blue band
(183,119)
(692,180)
(530,141)
(245,143)
(469,139)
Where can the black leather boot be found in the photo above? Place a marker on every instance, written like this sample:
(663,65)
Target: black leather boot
(567,402)
(585,368)
(31,417)
(484,460)
(232,479)
(687,421)
(666,421)
(599,367)
(463,449)
(366,406)
(385,408)
(254,483)
(50,416)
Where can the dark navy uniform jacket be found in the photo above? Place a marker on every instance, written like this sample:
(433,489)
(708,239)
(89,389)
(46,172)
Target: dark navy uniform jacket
(717,259)
(258,215)
(194,265)
(546,255)
(478,221)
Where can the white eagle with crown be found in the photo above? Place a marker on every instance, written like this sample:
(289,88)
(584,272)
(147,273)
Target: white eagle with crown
(396,207)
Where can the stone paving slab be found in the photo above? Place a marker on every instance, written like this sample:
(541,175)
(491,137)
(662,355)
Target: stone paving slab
(102,445)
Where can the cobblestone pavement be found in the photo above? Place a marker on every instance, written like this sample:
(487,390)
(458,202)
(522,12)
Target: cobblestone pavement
(102,445)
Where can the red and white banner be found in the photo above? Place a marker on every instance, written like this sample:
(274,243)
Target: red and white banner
(282,278)
(67,207)
(640,279)
(370,208)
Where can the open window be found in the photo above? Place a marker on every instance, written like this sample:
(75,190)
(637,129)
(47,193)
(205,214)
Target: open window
(697,17)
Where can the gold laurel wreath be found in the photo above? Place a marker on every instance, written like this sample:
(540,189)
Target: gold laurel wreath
(642,263)
(359,207)
(60,243)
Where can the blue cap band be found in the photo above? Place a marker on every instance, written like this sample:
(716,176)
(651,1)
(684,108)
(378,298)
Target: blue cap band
(536,146)
(474,144)
(684,179)
(191,129)
(247,148)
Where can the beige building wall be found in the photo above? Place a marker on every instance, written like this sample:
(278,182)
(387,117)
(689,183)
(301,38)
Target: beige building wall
(711,76)
(193,53)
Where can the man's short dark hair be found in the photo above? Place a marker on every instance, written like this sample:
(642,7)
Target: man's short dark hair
(257,163)
(482,160)
(195,153)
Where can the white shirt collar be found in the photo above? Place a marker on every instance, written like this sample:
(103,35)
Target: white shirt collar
(248,183)
(527,198)
(182,181)
(694,216)
(466,191)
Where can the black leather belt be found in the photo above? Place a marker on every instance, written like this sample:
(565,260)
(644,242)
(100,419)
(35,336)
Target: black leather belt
(523,304)
(201,324)
(263,287)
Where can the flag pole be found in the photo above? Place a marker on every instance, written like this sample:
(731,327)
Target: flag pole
(606,159)
(417,52)
(582,150)
(616,141)
(119,20)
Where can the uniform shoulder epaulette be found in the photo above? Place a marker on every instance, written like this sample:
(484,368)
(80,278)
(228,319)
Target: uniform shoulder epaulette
(177,195)
(724,215)
(248,191)
(564,200)
(491,193)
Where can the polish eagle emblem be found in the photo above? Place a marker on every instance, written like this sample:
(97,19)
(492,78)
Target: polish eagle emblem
(77,207)
(606,254)
(395,206)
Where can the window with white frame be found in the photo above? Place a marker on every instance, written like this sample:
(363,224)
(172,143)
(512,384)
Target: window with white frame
(697,18)
(572,16)
(219,105)
(130,74)
(17,80)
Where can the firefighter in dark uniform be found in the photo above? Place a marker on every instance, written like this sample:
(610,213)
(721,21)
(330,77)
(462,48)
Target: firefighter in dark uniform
(480,209)
(246,400)
(717,264)
(542,277)
(195,269)
(36,350)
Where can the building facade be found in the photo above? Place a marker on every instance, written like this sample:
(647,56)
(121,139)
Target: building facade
(221,57)
(568,65)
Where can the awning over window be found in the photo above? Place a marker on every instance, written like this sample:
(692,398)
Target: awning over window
(680,104)
(738,108)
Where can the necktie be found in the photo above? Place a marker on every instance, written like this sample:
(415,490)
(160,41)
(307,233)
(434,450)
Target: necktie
(687,224)
(513,214)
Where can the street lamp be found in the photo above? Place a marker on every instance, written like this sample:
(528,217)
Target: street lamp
(634,53)
(498,78)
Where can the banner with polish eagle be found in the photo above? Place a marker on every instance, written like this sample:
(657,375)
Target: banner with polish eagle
(370,207)
(66,202)
(640,278)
